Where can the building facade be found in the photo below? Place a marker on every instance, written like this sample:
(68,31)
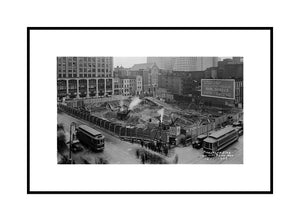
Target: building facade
(120,71)
(117,86)
(231,68)
(149,73)
(130,85)
(194,63)
(84,77)
(239,93)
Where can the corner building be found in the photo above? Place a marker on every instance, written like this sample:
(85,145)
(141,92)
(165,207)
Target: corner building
(84,77)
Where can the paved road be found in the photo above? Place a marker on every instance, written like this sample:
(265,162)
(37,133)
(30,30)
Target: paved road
(115,151)
(120,152)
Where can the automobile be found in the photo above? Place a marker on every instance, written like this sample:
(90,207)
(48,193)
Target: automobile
(240,130)
(197,144)
(238,124)
(76,147)
(187,141)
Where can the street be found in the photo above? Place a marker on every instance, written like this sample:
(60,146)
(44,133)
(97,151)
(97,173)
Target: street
(117,151)
(230,155)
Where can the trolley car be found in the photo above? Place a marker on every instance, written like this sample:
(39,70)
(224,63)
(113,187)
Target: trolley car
(90,137)
(220,139)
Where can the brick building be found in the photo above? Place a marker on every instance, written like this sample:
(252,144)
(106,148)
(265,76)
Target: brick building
(84,77)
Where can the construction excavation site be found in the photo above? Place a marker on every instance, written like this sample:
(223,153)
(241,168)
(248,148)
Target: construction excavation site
(152,119)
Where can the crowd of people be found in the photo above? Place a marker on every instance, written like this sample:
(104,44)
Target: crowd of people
(156,146)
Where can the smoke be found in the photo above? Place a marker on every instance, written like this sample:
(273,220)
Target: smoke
(134,102)
(121,105)
(161,112)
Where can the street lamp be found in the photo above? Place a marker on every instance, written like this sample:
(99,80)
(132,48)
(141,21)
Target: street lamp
(73,124)
(208,121)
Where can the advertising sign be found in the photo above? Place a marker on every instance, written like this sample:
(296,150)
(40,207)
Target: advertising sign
(219,88)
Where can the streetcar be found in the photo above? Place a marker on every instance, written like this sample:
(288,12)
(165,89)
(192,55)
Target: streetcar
(220,139)
(90,137)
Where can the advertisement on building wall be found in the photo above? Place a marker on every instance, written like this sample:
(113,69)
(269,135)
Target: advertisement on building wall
(218,88)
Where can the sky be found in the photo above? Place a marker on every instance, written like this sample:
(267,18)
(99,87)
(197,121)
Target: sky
(128,62)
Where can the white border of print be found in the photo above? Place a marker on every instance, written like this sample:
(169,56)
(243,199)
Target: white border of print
(47,175)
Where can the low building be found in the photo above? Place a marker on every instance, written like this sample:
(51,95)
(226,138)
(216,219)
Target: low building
(130,85)
(164,94)
(149,74)
(120,71)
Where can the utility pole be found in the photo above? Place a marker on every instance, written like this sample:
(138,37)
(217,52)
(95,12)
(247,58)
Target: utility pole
(71,141)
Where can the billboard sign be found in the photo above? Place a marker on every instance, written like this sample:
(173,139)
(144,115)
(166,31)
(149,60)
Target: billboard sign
(218,88)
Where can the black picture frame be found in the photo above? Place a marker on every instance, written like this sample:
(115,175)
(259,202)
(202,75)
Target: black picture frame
(270,191)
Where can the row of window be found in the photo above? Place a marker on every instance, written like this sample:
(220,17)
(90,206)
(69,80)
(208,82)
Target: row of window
(83,70)
(84,59)
(228,138)
(82,75)
(74,64)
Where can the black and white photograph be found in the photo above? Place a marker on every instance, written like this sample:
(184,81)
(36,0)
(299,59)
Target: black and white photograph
(149,110)
(170,110)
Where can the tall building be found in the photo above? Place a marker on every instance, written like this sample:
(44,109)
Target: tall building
(184,63)
(165,63)
(84,77)
(194,63)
